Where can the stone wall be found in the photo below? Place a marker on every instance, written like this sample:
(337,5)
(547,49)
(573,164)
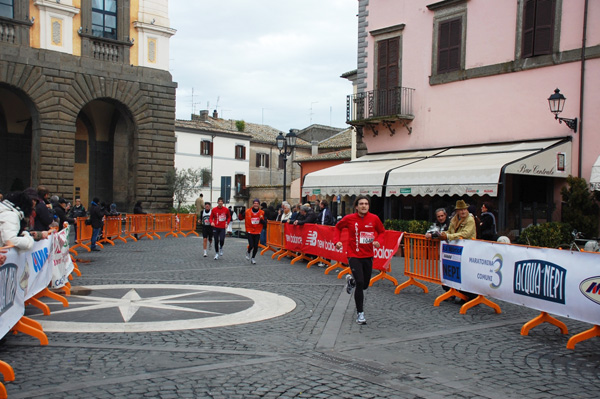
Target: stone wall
(56,86)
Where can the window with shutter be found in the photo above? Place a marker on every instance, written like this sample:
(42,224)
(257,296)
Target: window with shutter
(205,147)
(281,162)
(262,160)
(388,75)
(449,45)
(537,28)
(240,152)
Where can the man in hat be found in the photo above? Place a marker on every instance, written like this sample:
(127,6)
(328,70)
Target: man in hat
(462,225)
(255,221)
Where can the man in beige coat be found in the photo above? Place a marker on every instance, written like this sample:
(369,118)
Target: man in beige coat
(462,225)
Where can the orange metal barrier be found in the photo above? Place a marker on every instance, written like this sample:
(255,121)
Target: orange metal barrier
(84,234)
(30,327)
(138,224)
(164,223)
(274,237)
(9,375)
(187,224)
(112,230)
(421,261)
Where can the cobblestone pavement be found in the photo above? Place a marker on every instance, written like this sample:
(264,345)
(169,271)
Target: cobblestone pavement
(408,349)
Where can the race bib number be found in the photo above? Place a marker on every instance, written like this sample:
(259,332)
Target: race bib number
(366,237)
(222,218)
(255,220)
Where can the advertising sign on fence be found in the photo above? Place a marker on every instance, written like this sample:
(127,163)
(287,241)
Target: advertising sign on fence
(563,283)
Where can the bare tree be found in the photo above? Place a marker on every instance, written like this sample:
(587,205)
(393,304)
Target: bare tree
(184,183)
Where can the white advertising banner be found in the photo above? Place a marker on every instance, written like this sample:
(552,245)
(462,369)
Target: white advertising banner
(37,269)
(60,259)
(560,282)
(12,300)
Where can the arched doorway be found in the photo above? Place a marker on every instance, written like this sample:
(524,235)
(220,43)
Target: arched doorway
(16,136)
(105,156)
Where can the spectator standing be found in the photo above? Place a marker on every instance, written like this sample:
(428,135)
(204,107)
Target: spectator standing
(138,210)
(43,215)
(487,223)
(219,220)
(364,230)
(286,213)
(207,230)
(325,217)
(60,210)
(263,234)
(14,219)
(307,215)
(255,223)
(77,211)
(199,206)
(462,225)
(96,216)
(441,223)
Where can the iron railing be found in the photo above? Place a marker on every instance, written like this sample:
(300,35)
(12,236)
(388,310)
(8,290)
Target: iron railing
(395,103)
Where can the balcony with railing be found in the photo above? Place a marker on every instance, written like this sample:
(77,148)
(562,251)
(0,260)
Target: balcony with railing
(380,106)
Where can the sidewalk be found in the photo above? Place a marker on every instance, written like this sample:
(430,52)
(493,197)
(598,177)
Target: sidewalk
(195,327)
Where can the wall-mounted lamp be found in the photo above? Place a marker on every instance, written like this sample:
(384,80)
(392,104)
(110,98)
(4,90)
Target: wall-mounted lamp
(557,102)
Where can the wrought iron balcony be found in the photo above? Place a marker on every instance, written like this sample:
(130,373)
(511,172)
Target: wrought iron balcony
(389,105)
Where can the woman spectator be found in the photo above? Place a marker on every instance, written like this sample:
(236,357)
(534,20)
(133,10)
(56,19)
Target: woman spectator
(14,217)
(488,223)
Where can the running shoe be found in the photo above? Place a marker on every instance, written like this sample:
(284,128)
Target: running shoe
(247,255)
(220,252)
(205,254)
(360,319)
(350,284)
(253,261)
(216,256)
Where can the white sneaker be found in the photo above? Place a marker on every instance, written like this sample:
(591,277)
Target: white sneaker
(220,252)
(247,255)
(216,256)
(360,319)
(253,261)
(205,254)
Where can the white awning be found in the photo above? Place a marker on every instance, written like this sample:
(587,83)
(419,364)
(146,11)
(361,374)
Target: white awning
(475,170)
(595,177)
(364,175)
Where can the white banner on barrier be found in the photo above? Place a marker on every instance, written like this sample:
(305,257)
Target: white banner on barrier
(37,270)
(563,283)
(12,298)
(60,259)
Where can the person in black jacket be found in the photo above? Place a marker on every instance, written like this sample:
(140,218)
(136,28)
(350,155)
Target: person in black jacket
(488,223)
(307,215)
(60,211)
(325,217)
(43,215)
(96,216)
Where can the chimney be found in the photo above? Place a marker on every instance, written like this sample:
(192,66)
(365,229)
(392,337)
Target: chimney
(204,115)
(314,148)
(215,114)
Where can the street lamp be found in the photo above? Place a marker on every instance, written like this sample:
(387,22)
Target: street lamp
(286,146)
(557,102)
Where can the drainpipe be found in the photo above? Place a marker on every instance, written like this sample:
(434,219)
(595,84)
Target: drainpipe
(581,87)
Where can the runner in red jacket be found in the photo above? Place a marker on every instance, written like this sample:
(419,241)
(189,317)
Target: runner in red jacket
(219,219)
(364,229)
(255,221)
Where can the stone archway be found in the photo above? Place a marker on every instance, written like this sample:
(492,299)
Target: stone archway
(17,115)
(105,154)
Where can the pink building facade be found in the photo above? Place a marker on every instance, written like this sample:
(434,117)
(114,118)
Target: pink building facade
(457,92)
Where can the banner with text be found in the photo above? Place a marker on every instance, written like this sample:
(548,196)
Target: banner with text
(316,239)
(12,298)
(60,259)
(563,283)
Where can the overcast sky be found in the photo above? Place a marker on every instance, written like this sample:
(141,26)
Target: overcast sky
(264,61)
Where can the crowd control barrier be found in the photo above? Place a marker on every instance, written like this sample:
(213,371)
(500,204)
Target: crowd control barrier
(421,261)
(187,224)
(112,230)
(8,374)
(162,223)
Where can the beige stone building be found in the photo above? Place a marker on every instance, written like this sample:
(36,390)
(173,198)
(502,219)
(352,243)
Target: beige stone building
(87,105)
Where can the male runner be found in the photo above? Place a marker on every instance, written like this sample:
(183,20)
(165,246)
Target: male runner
(219,219)
(364,229)
(207,230)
